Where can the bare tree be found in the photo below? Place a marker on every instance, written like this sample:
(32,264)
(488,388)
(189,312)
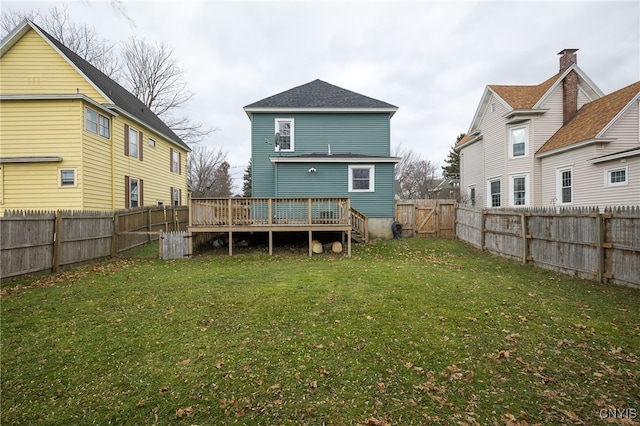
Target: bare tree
(416,178)
(81,39)
(153,75)
(151,72)
(203,164)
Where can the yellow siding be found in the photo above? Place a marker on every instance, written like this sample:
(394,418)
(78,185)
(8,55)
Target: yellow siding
(56,128)
(96,160)
(40,128)
(154,169)
(33,67)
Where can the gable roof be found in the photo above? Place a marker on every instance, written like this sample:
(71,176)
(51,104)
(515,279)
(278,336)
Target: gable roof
(524,97)
(120,98)
(319,96)
(593,119)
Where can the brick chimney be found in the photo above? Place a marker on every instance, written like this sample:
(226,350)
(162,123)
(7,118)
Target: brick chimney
(569,85)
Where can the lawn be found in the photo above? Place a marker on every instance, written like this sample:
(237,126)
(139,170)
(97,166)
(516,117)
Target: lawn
(406,332)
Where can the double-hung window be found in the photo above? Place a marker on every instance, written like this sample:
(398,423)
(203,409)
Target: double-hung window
(96,123)
(494,190)
(565,185)
(519,195)
(133,142)
(362,178)
(175,161)
(133,192)
(284,137)
(518,141)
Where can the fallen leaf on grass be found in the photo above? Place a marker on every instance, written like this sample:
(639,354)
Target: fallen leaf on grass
(184,412)
(185,362)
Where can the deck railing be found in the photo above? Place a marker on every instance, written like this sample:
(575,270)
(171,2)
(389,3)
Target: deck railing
(245,212)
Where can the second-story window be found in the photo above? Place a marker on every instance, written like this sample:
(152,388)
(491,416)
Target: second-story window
(132,142)
(96,123)
(175,161)
(284,137)
(518,137)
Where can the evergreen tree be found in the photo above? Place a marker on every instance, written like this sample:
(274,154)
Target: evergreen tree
(452,167)
(246,181)
(222,184)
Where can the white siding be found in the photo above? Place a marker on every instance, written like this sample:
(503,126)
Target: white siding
(472,170)
(589,180)
(625,130)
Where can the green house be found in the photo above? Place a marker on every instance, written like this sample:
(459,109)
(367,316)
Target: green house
(319,140)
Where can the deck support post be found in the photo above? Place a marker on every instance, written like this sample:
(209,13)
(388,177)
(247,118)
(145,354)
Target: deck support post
(230,243)
(270,243)
(310,243)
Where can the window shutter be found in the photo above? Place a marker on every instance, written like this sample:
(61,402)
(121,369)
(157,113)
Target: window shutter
(126,141)
(127,188)
(140,145)
(171,189)
(141,192)
(179,163)
(171,161)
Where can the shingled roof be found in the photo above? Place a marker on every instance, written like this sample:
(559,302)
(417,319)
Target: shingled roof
(320,95)
(524,97)
(120,96)
(592,118)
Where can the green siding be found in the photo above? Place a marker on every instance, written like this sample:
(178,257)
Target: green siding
(331,180)
(364,134)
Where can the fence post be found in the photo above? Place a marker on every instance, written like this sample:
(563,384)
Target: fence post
(524,230)
(148,225)
(483,230)
(114,237)
(57,237)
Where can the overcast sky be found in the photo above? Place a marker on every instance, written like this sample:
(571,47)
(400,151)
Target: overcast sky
(432,59)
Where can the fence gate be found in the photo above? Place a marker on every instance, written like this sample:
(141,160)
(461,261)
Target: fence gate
(174,245)
(426,218)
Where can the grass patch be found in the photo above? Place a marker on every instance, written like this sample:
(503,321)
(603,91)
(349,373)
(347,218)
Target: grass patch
(407,331)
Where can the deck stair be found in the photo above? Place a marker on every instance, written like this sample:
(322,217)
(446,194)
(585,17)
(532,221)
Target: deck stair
(359,226)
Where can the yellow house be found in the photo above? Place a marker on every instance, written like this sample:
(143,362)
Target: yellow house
(72,138)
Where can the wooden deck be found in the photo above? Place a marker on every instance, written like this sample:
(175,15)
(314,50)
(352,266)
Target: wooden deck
(229,215)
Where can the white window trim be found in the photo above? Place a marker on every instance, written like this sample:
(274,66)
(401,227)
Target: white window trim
(137,182)
(527,190)
(292,135)
(175,197)
(559,171)
(75,177)
(137,154)
(175,161)
(372,177)
(489,195)
(152,142)
(607,177)
(526,140)
(97,123)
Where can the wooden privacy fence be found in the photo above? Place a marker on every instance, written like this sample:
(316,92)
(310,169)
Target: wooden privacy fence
(35,241)
(426,218)
(586,242)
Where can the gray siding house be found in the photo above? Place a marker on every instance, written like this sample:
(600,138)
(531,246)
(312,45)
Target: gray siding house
(559,143)
(319,140)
